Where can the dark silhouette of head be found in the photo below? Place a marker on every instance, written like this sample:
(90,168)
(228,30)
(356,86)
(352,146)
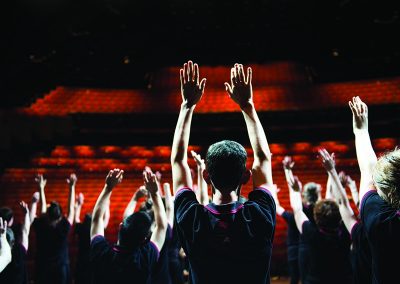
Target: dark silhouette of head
(134,229)
(54,212)
(10,237)
(226,165)
(327,215)
(311,192)
(7,214)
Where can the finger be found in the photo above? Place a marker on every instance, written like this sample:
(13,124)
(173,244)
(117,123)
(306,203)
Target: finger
(145,177)
(228,89)
(196,73)
(190,71)
(233,77)
(241,73)
(185,72)
(203,84)
(237,72)
(1,223)
(249,75)
(120,173)
(182,77)
(153,178)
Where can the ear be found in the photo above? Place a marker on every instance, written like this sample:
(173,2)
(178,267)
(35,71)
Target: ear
(206,176)
(245,177)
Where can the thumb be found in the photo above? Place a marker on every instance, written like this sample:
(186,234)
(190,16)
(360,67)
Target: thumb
(203,84)
(228,88)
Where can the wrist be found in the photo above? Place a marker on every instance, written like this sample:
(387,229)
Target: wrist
(247,107)
(186,106)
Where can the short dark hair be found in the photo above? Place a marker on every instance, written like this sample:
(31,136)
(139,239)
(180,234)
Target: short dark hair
(327,215)
(6,213)
(54,212)
(134,229)
(226,163)
(311,192)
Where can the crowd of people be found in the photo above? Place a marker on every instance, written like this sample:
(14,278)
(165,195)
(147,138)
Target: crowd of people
(183,235)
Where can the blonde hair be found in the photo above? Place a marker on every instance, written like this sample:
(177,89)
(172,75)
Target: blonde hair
(386,177)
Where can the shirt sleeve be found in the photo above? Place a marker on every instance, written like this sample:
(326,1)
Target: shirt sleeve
(288,216)
(99,247)
(186,206)
(371,205)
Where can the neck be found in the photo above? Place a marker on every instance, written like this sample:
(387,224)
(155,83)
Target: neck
(219,198)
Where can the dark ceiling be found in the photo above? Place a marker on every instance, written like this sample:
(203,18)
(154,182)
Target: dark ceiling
(115,43)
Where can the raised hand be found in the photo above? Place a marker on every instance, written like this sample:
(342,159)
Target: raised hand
(72,179)
(343,178)
(24,207)
(199,161)
(328,161)
(360,114)
(288,163)
(158,176)
(191,89)
(140,192)
(113,178)
(40,181)
(240,90)
(3,227)
(295,184)
(150,182)
(80,199)
(35,197)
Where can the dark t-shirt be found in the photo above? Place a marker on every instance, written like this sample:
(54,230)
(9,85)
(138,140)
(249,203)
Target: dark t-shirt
(324,257)
(382,226)
(360,255)
(15,272)
(293,235)
(82,230)
(161,273)
(228,243)
(114,264)
(52,242)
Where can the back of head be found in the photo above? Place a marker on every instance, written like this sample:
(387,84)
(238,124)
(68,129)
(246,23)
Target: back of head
(226,163)
(386,177)
(311,192)
(134,229)
(10,237)
(327,215)
(7,214)
(54,212)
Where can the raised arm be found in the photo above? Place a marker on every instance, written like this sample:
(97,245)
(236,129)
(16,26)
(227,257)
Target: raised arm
(71,198)
(33,209)
(365,153)
(192,91)
(328,192)
(241,92)
(169,204)
(26,225)
(139,193)
(279,208)
(5,250)
(106,217)
(42,184)
(296,202)
(338,191)
(201,182)
(113,178)
(353,189)
(78,207)
(160,217)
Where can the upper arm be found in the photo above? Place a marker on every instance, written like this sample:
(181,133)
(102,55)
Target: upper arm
(158,236)
(97,227)
(181,175)
(262,172)
(300,218)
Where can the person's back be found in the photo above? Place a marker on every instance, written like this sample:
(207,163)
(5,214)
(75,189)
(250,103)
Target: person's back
(230,238)
(324,253)
(225,241)
(116,264)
